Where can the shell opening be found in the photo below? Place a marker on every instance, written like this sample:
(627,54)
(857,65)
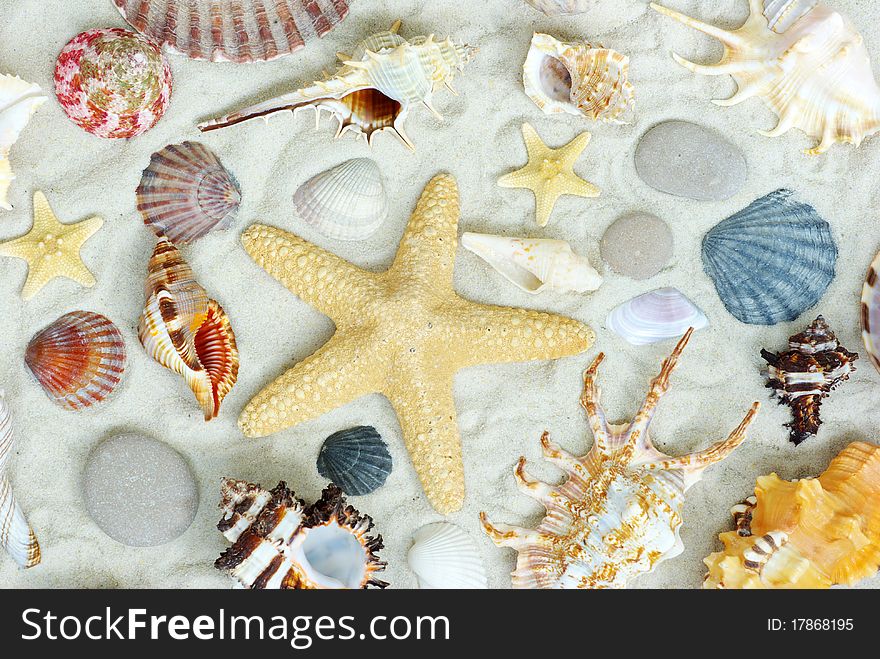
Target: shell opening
(336,555)
(555,79)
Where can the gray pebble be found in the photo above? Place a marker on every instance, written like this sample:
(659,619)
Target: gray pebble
(692,161)
(638,245)
(140,491)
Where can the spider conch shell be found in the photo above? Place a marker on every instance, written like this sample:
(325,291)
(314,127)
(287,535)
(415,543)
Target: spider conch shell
(185,331)
(18,102)
(618,513)
(579,79)
(16,535)
(807,62)
(808,533)
(374,88)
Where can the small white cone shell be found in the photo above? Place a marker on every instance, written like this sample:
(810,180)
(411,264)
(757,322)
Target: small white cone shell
(444,556)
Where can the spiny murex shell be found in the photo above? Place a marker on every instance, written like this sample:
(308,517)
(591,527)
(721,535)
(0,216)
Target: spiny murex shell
(579,79)
(185,331)
(618,513)
(807,62)
(347,202)
(18,102)
(374,88)
(535,265)
(444,556)
(16,535)
(356,459)
(279,542)
(807,533)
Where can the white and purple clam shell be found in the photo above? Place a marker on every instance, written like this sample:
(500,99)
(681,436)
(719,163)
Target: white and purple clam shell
(665,313)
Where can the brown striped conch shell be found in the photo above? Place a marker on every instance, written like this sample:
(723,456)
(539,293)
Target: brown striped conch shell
(18,102)
(871,312)
(16,535)
(281,543)
(619,511)
(374,88)
(807,61)
(807,533)
(185,331)
(233,30)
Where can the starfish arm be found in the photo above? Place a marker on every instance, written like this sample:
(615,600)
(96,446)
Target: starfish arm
(581,188)
(546,197)
(82,231)
(535,147)
(20,248)
(316,276)
(521,178)
(427,250)
(573,150)
(37,277)
(342,370)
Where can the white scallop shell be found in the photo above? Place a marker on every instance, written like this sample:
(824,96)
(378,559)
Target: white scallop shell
(535,265)
(347,202)
(444,556)
(656,316)
(16,535)
(18,101)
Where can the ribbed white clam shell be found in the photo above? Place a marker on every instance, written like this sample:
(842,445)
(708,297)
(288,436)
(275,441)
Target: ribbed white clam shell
(347,202)
(656,316)
(444,556)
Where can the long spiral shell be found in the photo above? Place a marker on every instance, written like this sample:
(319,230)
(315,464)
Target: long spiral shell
(16,535)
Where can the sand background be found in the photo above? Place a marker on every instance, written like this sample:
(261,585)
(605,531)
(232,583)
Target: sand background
(502,409)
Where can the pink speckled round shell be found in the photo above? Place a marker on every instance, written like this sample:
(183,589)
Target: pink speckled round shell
(112,82)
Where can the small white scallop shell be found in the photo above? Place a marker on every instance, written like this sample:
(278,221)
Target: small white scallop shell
(655,316)
(444,556)
(535,265)
(347,202)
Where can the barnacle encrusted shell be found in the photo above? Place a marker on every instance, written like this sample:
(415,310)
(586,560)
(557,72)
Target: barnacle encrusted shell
(561,7)
(185,331)
(18,102)
(444,556)
(113,83)
(356,459)
(771,261)
(806,61)
(374,88)
(78,360)
(807,533)
(801,377)
(233,30)
(16,535)
(578,78)
(665,313)
(185,193)
(618,513)
(280,543)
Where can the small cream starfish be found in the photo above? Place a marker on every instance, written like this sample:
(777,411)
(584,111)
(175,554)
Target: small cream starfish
(51,249)
(550,173)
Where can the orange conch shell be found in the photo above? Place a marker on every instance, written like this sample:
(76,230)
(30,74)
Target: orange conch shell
(809,533)
(185,331)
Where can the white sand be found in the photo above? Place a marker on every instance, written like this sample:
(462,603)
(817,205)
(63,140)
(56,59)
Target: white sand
(502,409)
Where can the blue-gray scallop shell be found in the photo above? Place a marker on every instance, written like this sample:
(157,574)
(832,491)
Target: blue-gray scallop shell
(357,460)
(771,261)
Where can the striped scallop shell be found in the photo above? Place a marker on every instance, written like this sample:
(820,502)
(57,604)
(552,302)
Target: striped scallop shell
(444,556)
(655,316)
(113,83)
(185,331)
(185,193)
(234,30)
(347,202)
(357,460)
(16,535)
(78,360)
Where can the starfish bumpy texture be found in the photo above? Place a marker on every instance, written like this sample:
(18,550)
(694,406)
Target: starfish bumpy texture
(51,249)
(550,173)
(402,333)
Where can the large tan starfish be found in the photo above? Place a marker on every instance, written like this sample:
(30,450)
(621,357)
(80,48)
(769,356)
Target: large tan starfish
(51,249)
(403,333)
(550,173)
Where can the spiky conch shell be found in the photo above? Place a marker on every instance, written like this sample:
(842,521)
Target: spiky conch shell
(269,531)
(618,513)
(374,88)
(806,60)
(185,331)
(16,536)
(233,31)
(808,533)
(579,79)
(18,102)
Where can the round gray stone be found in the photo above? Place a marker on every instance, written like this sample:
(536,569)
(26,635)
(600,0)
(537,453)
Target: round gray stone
(140,491)
(638,245)
(692,161)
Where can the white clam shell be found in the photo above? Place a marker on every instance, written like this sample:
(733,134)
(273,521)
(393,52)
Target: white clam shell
(347,202)
(665,313)
(444,556)
(16,535)
(535,265)
(18,101)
